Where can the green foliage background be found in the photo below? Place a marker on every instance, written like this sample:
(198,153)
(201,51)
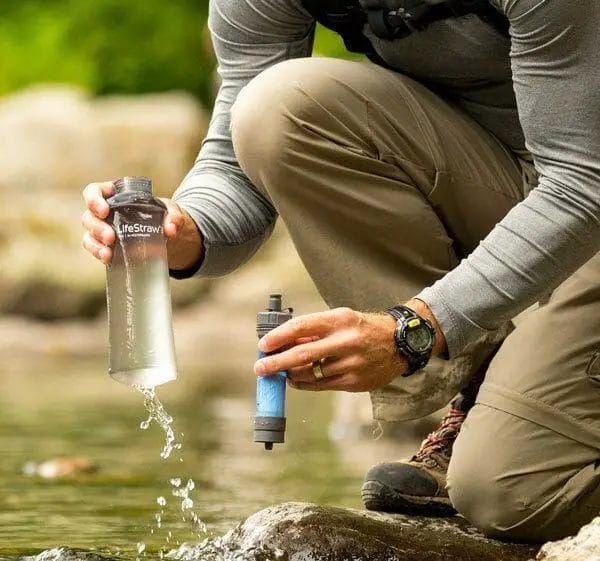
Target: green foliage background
(112,46)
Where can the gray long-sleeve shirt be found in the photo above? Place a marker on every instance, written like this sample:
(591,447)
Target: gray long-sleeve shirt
(539,90)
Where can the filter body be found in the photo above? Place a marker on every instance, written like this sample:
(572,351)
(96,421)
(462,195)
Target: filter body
(269,422)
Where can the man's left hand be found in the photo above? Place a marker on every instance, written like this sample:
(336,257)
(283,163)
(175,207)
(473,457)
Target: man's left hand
(356,351)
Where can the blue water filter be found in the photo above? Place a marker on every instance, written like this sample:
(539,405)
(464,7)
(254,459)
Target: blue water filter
(269,422)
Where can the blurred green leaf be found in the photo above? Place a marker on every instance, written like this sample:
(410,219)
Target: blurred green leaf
(106,46)
(111,46)
(329,43)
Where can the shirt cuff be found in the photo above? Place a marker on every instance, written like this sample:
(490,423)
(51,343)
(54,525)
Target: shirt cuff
(232,218)
(457,333)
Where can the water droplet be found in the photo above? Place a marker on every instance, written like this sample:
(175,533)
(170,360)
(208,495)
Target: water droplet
(141,547)
(187,503)
(190,485)
(145,424)
(161,501)
(175,481)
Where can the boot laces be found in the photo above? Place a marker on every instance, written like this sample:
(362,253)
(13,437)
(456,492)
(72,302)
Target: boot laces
(436,449)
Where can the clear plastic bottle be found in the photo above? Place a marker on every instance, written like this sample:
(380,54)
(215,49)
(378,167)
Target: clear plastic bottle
(142,350)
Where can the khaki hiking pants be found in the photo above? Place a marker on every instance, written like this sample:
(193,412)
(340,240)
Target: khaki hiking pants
(384,187)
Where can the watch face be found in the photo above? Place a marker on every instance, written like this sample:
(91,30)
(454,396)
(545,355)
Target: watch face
(419,339)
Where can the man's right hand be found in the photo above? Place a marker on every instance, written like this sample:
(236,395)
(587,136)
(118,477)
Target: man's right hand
(100,236)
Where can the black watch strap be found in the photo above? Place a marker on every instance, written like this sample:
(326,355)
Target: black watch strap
(404,316)
(401,312)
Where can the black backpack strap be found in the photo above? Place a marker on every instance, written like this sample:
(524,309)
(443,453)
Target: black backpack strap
(395,19)
(484,10)
(345,17)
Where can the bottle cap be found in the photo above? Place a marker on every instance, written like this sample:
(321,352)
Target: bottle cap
(133,183)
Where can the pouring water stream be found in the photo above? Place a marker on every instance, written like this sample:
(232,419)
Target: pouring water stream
(157,414)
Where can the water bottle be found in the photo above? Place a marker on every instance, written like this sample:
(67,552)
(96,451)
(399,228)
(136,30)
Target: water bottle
(141,346)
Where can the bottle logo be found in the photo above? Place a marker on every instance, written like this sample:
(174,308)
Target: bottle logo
(138,230)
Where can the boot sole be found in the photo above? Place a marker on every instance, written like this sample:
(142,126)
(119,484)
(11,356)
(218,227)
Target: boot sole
(380,497)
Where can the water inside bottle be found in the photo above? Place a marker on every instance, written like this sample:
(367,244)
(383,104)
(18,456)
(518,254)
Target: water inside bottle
(142,351)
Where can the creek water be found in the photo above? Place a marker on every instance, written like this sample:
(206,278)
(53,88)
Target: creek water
(61,407)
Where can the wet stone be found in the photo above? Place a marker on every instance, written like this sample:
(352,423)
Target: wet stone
(585,546)
(307,532)
(66,554)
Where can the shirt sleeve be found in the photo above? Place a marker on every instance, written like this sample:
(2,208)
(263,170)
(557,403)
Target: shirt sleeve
(555,57)
(234,218)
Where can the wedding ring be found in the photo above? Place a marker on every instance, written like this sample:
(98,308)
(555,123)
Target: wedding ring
(317,371)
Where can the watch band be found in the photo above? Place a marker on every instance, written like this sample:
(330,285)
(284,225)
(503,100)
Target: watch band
(402,312)
(404,316)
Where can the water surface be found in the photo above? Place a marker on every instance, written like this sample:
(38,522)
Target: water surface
(67,408)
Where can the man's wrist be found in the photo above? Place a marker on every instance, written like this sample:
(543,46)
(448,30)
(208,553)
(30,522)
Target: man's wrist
(186,250)
(422,309)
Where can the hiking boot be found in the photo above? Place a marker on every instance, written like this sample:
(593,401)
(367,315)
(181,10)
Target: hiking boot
(418,485)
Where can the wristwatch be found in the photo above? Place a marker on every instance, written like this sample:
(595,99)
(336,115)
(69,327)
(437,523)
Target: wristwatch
(413,337)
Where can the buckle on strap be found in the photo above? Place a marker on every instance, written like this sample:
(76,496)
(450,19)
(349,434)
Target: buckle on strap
(412,18)
(396,20)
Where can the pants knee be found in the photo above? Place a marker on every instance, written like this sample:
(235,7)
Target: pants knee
(485,490)
(268,115)
(478,497)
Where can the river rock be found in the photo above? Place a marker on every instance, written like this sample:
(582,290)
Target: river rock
(57,137)
(66,554)
(53,141)
(308,532)
(585,546)
(64,466)
(157,135)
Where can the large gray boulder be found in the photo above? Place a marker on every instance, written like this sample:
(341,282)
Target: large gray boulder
(308,532)
(58,138)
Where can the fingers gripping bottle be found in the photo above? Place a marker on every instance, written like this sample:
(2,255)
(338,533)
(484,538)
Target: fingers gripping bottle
(269,422)
(142,351)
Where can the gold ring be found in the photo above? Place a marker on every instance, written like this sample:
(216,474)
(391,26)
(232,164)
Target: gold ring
(317,370)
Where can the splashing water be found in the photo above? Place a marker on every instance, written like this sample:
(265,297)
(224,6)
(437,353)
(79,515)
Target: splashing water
(158,414)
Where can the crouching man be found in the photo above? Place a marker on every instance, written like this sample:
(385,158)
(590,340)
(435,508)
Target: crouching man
(433,193)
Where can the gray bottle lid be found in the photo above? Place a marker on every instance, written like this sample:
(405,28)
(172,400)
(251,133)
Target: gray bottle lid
(133,183)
